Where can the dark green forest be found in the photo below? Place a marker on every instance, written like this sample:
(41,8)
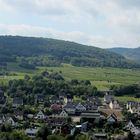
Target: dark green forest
(29,52)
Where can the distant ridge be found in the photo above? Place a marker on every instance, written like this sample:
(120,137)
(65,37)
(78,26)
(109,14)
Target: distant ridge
(76,54)
(129,53)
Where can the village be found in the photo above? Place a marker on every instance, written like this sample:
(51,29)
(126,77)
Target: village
(63,114)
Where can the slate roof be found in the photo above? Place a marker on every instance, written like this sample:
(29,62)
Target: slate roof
(90,106)
(113,116)
(129,125)
(133,104)
(108,98)
(70,105)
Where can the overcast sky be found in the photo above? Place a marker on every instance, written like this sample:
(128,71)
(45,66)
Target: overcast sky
(101,23)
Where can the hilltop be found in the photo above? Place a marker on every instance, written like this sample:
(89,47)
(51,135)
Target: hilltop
(31,51)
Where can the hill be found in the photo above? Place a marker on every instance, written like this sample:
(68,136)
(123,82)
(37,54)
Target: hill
(30,51)
(132,54)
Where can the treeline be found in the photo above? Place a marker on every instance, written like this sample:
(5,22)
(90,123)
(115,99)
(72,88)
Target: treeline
(130,90)
(36,50)
(8,133)
(48,84)
(32,62)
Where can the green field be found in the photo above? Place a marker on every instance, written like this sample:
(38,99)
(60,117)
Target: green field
(102,78)
(127,98)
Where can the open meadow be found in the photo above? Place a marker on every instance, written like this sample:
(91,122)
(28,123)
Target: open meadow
(102,78)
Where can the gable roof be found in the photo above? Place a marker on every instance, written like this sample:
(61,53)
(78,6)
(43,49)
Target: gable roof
(113,116)
(63,111)
(91,105)
(40,112)
(70,105)
(129,125)
(80,104)
(108,97)
(114,101)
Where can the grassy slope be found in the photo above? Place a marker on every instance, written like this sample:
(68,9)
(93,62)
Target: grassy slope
(127,98)
(98,76)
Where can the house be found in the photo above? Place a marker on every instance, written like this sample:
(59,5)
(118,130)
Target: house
(80,108)
(40,115)
(54,99)
(108,98)
(70,108)
(114,104)
(129,126)
(68,99)
(112,118)
(133,129)
(31,132)
(93,100)
(62,97)
(90,106)
(63,114)
(12,121)
(133,107)
(17,102)
(55,122)
(39,98)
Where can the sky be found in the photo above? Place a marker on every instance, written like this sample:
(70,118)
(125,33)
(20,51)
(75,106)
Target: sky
(101,23)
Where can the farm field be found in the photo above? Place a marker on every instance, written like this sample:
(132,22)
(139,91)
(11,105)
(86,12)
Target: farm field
(127,98)
(102,78)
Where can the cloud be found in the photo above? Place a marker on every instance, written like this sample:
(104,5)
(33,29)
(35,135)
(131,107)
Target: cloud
(105,23)
(29,30)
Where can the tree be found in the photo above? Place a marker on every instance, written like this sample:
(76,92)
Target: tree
(69,120)
(55,137)
(27,77)
(43,132)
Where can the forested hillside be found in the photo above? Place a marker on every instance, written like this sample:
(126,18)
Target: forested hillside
(30,52)
(129,53)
